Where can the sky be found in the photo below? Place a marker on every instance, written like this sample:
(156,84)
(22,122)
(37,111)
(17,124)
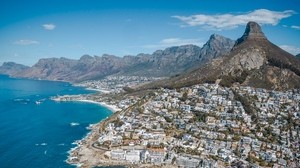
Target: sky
(31,29)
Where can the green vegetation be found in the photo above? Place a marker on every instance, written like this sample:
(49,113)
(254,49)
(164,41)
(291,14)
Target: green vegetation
(228,80)
(246,104)
(283,64)
(184,96)
(201,117)
(128,89)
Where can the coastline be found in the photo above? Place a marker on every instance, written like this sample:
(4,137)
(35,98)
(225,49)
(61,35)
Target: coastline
(80,155)
(83,155)
(113,108)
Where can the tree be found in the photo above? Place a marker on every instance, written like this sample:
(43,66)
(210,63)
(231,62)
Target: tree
(173,160)
(128,89)
(184,96)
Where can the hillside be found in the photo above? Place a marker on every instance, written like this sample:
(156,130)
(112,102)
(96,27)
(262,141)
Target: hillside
(253,61)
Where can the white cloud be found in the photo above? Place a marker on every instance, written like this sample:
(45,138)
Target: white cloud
(291,49)
(174,42)
(26,42)
(230,21)
(295,27)
(49,26)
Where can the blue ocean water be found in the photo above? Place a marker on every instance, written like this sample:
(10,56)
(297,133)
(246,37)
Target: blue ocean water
(40,135)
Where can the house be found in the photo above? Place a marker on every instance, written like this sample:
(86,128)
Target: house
(156,156)
(185,107)
(246,140)
(210,120)
(282,162)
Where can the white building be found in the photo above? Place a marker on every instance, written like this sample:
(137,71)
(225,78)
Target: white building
(133,156)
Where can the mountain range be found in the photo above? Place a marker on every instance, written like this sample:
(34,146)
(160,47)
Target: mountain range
(162,63)
(253,61)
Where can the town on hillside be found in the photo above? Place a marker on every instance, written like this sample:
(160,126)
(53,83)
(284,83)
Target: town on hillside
(205,125)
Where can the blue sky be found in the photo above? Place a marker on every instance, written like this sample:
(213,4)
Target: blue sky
(31,29)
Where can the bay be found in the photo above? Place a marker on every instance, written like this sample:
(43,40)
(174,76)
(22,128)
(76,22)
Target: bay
(36,131)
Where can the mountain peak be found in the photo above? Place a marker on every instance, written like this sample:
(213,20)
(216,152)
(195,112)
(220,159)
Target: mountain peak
(213,36)
(217,37)
(252,31)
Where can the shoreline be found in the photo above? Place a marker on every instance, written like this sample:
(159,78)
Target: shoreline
(84,144)
(113,108)
(98,90)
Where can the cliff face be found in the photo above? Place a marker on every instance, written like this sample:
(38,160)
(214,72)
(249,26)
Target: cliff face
(253,61)
(162,63)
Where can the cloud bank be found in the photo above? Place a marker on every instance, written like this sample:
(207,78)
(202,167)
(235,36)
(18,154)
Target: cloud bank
(291,49)
(230,21)
(174,42)
(26,42)
(295,27)
(49,26)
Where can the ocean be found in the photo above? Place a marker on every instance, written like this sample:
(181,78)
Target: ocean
(36,132)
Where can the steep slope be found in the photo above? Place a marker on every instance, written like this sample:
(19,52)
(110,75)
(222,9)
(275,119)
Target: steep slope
(253,61)
(298,56)
(11,68)
(162,63)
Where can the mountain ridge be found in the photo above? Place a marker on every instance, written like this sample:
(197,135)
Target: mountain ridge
(161,63)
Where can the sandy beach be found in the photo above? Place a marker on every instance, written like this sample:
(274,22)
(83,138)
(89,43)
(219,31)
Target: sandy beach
(113,108)
(98,90)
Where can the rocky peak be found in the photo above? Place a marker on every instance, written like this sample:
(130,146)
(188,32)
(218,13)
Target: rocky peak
(252,31)
(216,46)
(86,58)
(216,37)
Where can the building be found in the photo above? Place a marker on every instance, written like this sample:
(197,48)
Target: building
(117,154)
(133,156)
(187,162)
